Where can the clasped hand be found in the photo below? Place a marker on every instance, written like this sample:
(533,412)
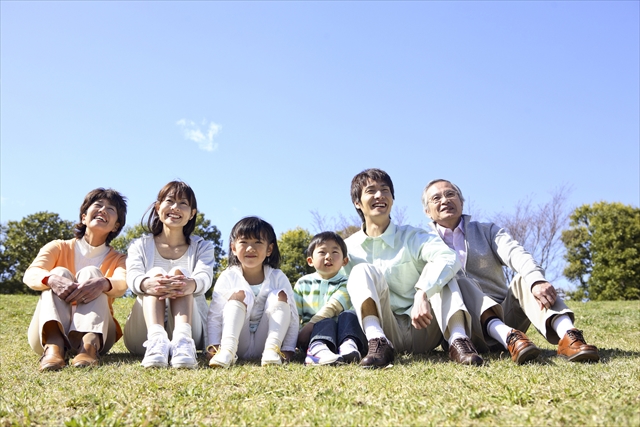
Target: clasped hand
(169,287)
(545,294)
(71,291)
(421,312)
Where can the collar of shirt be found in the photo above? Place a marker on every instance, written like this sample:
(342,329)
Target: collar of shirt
(88,251)
(455,240)
(388,237)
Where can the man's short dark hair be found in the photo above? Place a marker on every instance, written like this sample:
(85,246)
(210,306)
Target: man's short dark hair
(360,181)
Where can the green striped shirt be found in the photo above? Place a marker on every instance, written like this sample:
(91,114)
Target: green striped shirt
(312,292)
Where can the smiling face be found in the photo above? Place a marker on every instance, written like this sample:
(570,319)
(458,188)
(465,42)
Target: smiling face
(443,204)
(251,252)
(174,212)
(101,218)
(327,259)
(375,202)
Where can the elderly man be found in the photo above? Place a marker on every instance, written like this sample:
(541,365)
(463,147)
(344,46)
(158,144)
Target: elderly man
(398,274)
(484,248)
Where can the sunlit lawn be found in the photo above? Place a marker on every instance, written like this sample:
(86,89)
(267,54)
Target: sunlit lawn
(418,390)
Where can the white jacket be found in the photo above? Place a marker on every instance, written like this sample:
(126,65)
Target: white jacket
(232,280)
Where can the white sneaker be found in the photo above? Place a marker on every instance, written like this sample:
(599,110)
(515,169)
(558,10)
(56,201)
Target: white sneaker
(157,353)
(183,353)
(272,356)
(319,354)
(349,351)
(223,358)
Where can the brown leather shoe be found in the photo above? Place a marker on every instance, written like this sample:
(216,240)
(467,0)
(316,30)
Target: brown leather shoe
(462,351)
(380,354)
(521,348)
(574,348)
(88,356)
(52,358)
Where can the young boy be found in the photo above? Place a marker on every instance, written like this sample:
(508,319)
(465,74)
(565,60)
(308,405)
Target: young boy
(330,334)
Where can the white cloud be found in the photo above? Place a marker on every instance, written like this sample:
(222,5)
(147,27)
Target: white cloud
(194,132)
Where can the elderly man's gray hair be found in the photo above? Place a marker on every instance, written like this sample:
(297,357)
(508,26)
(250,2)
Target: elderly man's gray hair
(425,202)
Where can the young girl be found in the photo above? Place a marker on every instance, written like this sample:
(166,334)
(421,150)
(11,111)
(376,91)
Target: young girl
(169,269)
(253,312)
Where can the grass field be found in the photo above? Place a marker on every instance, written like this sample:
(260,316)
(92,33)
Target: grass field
(417,391)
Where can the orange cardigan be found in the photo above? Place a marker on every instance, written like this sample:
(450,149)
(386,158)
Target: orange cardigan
(61,253)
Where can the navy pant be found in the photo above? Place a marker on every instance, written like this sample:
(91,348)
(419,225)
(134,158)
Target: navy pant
(333,332)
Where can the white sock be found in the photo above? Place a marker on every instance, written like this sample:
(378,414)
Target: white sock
(372,327)
(278,324)
(456,327)
(561,324)
(181,330)
(498,330)
(156,331)
(233,315)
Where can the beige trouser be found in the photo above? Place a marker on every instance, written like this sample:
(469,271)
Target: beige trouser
(135,330)
(367,281)
(93,316)
(521,309)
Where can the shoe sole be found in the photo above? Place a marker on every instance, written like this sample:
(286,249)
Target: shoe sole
(51,367)
(528,354)
(154,365)
(583,356)
(338,361)
(184,365)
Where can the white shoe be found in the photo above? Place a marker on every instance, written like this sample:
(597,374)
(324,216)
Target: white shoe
(157,353)
(349,351)
(183,353)
(272,356)
(223,358)
(319,354)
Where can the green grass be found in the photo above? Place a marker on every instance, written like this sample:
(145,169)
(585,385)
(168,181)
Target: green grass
(418,390)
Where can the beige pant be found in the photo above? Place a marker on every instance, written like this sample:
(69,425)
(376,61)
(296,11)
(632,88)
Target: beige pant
(135,330)
(93,316)
(367,281)
(521,309)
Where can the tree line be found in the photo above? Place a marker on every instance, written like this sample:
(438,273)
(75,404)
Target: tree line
(600,247)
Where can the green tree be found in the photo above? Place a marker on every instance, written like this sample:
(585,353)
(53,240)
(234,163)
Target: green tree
(293,245)
(603,251)
(21,242)
(126,236)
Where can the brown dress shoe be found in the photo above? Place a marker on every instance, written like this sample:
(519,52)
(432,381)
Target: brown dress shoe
(462,351)
(380,354)
(52,358)
(88,356)
(574,348)
(521,348)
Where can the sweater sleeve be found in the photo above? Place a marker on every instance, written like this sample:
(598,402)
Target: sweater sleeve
(203,270)
(514,256)
(44,262)
(118,276)
(136,269)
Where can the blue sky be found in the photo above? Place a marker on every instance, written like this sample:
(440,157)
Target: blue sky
(270,108)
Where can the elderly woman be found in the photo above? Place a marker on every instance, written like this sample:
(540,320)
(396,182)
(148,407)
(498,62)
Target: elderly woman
(79,279)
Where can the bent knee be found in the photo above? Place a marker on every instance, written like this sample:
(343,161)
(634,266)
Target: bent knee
(282,296)
(237,296)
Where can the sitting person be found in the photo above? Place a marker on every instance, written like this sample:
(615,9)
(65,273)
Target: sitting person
(398,274)
(79,279)
(169,269)
(329,334)
(484,248)
(252,313)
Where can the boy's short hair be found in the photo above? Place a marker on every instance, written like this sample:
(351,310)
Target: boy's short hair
(360,181)
(324,237)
